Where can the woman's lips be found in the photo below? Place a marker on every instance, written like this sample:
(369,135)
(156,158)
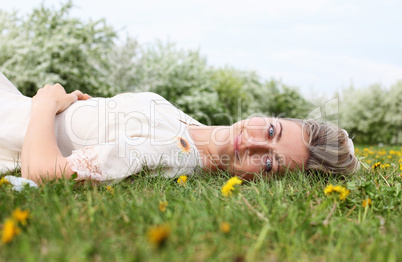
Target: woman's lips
(237,142)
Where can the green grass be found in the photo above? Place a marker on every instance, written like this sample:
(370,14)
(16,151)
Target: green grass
(283,219)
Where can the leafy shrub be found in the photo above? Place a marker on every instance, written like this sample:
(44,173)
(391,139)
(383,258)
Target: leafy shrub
(49,46)
(393,116)
(363,114)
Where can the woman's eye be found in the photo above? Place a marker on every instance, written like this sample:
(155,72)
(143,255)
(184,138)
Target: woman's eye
(268,165)
(271,131)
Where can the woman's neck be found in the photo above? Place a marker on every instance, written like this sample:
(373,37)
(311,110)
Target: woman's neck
(208,140)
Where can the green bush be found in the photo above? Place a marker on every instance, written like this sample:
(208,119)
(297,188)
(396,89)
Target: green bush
(49,46)
(393,117)
(363,114)
(181,76)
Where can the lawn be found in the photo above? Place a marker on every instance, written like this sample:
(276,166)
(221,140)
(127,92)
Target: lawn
(290,218)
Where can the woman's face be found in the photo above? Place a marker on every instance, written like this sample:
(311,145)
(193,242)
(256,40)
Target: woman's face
(263,145)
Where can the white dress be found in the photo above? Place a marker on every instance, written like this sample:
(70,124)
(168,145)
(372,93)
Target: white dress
(106,139)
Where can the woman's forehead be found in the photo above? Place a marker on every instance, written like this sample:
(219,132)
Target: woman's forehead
(292,145)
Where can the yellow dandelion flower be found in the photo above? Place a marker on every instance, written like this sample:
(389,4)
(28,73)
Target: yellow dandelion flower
(183,144)
(338,188)
(385,166)
(224,227)
(229,187)
(163,205)
(342,191)
(234,181)
(329,189)
(10,230)
(182,180)
(376,165)
(4,181)
(367,202)
(369,161)
(343,194)
(227,190)
(20,216)
(110,189)
(158,235)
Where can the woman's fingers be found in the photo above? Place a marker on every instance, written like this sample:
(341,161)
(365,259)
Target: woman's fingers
(57,94)
(80,96)
(86,96)
(77,95)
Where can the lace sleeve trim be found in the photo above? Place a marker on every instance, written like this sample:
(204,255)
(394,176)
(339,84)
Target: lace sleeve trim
(85,163)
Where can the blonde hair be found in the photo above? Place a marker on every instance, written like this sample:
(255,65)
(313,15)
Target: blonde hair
(328,148)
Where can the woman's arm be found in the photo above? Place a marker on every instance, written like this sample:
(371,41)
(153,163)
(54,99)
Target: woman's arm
(41,158)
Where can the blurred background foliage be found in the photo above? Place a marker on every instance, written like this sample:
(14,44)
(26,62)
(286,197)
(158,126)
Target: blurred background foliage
(49,46)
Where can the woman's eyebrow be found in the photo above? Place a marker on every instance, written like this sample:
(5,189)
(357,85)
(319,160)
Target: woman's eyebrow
(277,163)
(280,133)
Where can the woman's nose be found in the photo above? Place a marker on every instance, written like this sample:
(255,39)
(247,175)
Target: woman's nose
(256,145)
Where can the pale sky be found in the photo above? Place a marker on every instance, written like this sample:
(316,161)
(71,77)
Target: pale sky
(318,46)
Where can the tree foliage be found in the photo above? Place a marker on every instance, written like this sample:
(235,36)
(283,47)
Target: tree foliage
(393,117)
(232,87)
(283,101)
(49,46)
(363,114)
(181,76)
(243,95)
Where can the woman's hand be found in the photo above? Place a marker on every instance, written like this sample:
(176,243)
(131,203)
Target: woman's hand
(41,157)
(56,97)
